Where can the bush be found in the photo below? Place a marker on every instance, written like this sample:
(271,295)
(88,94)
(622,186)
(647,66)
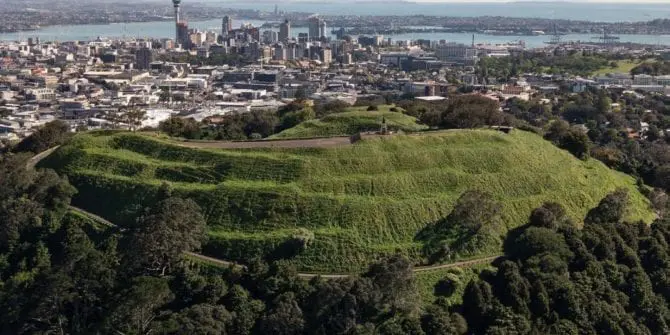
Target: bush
(372,108)
(465,111)
(447,286)
(335,106)
(180,127)
(292,119)
(52,134)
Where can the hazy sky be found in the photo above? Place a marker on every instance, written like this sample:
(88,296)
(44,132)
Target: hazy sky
(575,1)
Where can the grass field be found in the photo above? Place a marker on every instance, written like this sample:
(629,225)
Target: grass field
(623,66)
(356,119)
(361,201)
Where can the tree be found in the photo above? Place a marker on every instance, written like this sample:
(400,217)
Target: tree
(300,94)
(197,319)
(473,211)
(169,228)
(577,143)
(133,117)
(292,119)
(52,134)
(136,307)
(180,127)
(466,111)
(550,215)
(284,318)
(393,284)
(535,241)
(610,210)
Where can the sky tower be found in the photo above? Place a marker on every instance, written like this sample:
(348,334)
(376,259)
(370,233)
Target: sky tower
(176,4)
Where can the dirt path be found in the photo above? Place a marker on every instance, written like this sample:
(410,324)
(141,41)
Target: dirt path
(306,143)
(39,157)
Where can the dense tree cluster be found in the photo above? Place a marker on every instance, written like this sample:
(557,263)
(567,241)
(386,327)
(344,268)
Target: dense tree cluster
(576,63)
(253,125)
(52,134)
(652,68)
(465,111)
(608,278)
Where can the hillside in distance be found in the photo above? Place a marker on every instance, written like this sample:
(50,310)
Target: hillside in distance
(353,202)
(354,120)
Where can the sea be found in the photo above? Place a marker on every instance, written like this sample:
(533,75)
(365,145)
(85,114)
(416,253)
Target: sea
(553,10)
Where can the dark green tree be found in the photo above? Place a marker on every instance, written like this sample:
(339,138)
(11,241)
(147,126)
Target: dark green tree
(168,229)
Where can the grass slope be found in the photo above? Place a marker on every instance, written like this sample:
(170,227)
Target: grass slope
(623,66)
(356,119)
(360,201)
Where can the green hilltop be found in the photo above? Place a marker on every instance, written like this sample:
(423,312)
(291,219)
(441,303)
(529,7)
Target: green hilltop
(354,120)
(358,201)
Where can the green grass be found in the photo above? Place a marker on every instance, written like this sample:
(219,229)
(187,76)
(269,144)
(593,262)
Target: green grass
(356,119)
(623,66)
(361,201)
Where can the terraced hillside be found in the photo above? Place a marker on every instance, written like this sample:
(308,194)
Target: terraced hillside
(355,120)
(359,201)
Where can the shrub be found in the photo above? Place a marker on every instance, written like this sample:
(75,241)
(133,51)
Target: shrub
(465,111)
(52,134)
(372,108)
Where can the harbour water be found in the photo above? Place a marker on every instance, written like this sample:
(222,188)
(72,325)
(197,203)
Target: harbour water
(568,10)
(575,11)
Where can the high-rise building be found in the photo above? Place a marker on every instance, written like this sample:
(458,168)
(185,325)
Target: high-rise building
(317,28)
(211,37)
(176,4)
(226,25)
(285,31)
(323,29)
(183,36)
(326,56)
(280,52)
(143,58)
(270,37)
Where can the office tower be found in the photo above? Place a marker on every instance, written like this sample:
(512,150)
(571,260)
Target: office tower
(285,31)
(176,4)
(183,36)
(280,52)
(211,37)
(226,25)
(143,58)
(326,55)
(315,26)
(270,37)
(323,29)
